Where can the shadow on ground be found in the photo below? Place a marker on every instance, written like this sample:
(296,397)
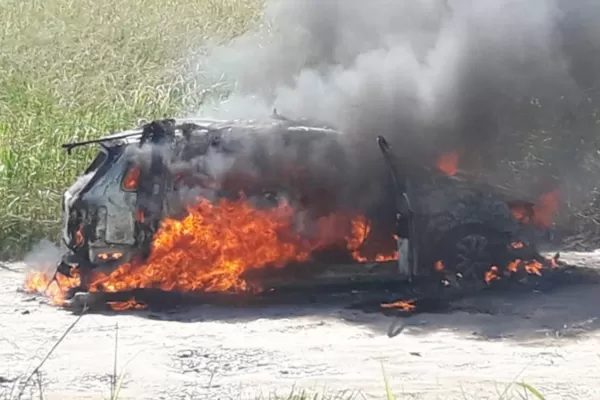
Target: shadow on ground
(565,311)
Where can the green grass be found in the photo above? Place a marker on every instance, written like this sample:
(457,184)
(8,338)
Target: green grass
(74,70)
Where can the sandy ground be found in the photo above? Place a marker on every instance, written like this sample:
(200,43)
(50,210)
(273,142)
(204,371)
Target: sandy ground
(551,341)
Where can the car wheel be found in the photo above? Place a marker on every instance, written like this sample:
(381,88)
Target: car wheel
(470,251)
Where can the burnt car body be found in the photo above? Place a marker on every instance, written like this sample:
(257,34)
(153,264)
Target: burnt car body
(136,179)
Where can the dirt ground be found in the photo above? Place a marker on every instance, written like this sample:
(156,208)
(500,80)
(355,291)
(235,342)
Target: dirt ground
(549,340)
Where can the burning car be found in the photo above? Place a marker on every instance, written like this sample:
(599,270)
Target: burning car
(167,178)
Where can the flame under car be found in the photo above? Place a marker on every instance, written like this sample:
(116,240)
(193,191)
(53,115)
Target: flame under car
(435,225)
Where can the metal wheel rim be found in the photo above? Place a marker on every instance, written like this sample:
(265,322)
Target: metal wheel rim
(472,256)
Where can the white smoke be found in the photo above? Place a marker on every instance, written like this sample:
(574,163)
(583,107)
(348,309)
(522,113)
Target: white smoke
(43,257)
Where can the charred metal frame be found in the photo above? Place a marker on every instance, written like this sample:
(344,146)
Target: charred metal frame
(406,229)
(102,221)
(465,245)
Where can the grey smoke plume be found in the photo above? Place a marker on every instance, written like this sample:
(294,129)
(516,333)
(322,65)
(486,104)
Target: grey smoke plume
(430,75)
(43,257)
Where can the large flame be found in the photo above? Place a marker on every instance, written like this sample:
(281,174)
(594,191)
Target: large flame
(541,213)
(546,208)
(211,248)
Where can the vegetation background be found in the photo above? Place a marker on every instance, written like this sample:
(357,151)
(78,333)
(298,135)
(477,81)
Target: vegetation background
(76,70)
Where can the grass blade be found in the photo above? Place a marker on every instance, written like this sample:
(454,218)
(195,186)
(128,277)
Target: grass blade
(388,391)
(531,390)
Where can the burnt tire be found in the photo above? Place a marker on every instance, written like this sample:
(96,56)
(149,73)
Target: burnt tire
(469,251)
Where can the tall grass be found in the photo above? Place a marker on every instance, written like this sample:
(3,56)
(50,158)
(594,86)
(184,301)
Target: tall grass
(74,70)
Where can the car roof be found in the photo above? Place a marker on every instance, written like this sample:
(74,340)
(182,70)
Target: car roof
(133,135)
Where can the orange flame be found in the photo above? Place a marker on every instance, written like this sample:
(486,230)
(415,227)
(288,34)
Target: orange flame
(130,181)
(111,256)
(79,236)
(448,163)
(492,274)
(211,248)
(545,210)
(439,266)
(513,266)
(534,268)
(126,305)
(408,305)
(541,213)
(520,213)
(360,232)
(38,281)
(139,216)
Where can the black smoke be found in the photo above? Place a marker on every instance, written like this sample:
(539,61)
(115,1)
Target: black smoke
(511,85)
